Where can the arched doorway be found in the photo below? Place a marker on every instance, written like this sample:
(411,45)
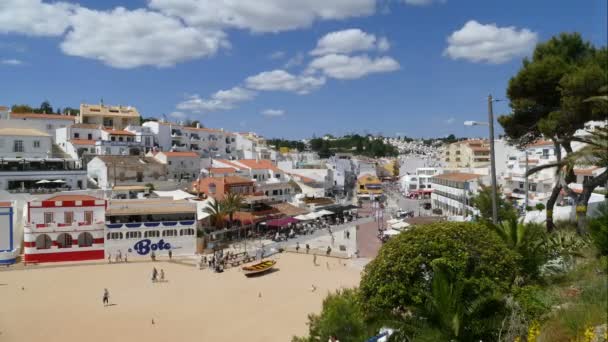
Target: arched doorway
(64,241)
(43,241)
(85,239)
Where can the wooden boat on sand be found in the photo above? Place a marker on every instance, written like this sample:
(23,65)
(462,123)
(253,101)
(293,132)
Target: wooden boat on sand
(260,267)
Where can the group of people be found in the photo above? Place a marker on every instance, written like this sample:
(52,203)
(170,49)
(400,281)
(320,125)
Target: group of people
(156,276)
(117,258)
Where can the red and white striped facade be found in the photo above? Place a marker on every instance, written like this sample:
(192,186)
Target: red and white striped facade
(64,228)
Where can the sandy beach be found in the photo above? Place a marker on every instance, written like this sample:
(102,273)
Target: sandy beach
(65,303)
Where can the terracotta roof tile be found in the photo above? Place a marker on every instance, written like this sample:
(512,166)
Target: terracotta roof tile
(61,198)
(221,170)
(261,164)
(181,154)
(458,177)
(82,142)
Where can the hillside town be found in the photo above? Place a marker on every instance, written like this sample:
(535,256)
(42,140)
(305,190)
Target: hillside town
(305,171)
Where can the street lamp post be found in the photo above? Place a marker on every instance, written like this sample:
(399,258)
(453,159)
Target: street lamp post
(490,124)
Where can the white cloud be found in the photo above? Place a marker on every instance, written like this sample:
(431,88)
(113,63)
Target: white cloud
(220,100)
(11,61)
(277,55)
(347,41)
(34,18)
(273,112)
(281,80)
(263,16)
(296,60)
(128,39)
(178,115)
(476,42)
(347,67)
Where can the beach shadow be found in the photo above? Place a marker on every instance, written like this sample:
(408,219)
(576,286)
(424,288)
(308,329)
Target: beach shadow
(112,304)
(270,271)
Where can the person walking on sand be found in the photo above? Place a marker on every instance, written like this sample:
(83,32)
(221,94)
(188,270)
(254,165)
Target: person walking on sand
(154,274)
(162,275)
(106,297)
(314,259)
(109,258)
(307,248)
(297,247)
(170,254)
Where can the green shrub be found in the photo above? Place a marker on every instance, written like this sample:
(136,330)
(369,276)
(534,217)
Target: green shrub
(539,206)
(598,229)
(534,301)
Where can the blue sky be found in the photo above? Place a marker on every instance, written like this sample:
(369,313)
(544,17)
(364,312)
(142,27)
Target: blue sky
(284,68)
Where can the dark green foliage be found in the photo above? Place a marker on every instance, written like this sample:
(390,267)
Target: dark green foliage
(364,145)
(483,202)
(291,144)
(400,278)
(539,206)
(534,301)
(598,229)
(341,316)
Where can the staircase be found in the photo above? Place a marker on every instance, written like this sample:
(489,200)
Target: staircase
(57,152)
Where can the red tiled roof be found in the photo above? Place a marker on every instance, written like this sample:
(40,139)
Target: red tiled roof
(181,154)
(82,142)
(585,172)
(541,142)
(228,162)
(261,164)
(3,108)
(221,170)
(87,126)
(42,116)
(458,177)
(118,132)
(236,180)
(61,198)
(5,204)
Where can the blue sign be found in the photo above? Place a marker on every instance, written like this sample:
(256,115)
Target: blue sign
(143,247)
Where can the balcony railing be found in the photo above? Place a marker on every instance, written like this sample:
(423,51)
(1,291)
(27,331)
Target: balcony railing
(40,166)
(162,224)
(63,227)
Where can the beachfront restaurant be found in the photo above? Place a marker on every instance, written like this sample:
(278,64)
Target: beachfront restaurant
(136,228)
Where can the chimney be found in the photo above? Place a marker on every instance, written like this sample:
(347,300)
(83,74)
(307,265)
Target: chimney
(198,125)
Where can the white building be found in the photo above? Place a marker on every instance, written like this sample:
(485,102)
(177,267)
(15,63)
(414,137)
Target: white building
(10,241)
(269,179)
(27,158)
(180,165)
(452,193)
(419,184)
(140,227)
(207,142)
(64,228)
(49,122)
(111,117)
(109,171)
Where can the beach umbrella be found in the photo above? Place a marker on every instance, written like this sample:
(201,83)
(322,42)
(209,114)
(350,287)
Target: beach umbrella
(400,225)
(44,181)
(391,232)
(58,181)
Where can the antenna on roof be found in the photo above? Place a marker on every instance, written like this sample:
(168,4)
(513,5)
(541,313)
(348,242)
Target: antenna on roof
(101,102)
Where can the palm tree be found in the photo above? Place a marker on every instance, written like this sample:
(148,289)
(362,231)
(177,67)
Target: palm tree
(217,213)
(232,203)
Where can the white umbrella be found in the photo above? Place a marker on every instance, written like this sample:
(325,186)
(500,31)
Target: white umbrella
(44,181)
(58,181)
(391,232)
(400,225)
(324,213)
(303,217)
(393,221)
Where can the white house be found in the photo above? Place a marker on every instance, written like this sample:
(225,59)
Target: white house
(141,227)
(419,184)
(28,164)
(452,193)
(180,165)
(109,171)
(49,122)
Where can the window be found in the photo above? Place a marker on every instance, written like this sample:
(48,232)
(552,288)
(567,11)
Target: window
(64,241)
(169,162)
(120,139)
(108,150)
(187,231)
(147,140)
(43,242)
(36,143)
(90,136)
(115,236)
(133,235)
(49,127)
(212,188)
(88,217)
(521,185)
(275,192)
(151,234)
(121,175)
(18,146)
(169,232)
(68,217)
(85,239)
(76,135)
(48,218)
(112,138)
